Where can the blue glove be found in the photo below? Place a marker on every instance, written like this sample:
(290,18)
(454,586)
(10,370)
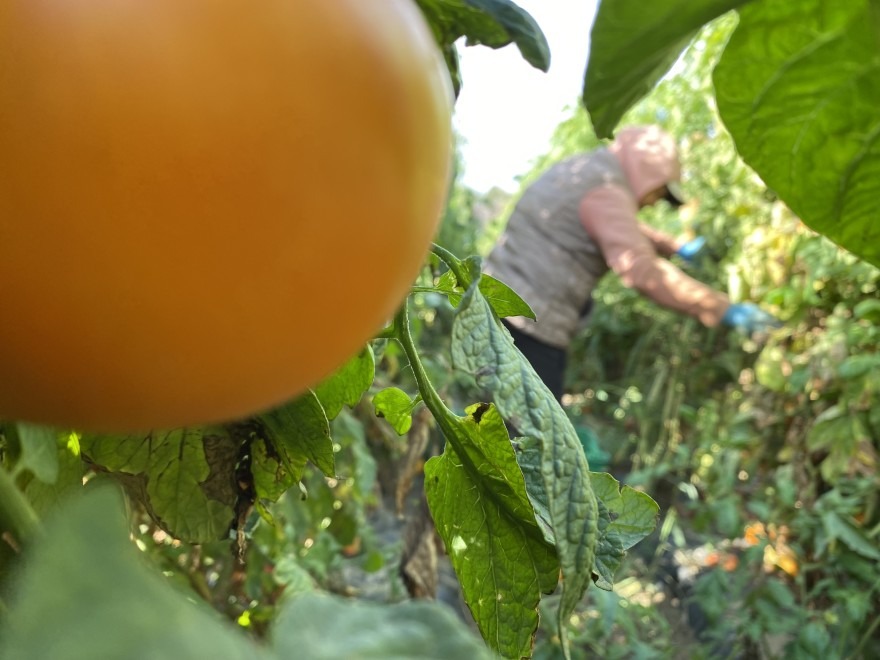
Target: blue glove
(749,318)
(691,249)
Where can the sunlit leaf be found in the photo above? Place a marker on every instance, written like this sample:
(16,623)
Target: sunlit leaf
(183,477)
(482,347)
(272,474)
(396,407)
(299,429)
(347,386)
(504,300)
(798,87)
(479,503)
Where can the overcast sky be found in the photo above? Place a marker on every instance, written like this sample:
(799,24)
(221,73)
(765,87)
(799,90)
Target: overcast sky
(507,110)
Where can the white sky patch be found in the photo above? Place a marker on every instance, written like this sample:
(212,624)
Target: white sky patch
(507,109)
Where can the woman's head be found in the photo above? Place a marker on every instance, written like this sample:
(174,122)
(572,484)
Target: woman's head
(649,158)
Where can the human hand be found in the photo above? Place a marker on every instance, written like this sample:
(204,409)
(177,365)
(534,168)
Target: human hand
(691,249)
(749,318)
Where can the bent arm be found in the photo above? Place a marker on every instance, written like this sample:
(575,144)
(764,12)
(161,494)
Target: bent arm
(664,244)
(608,214)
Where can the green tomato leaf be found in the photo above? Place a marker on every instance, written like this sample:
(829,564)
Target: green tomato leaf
(529,456)
(609,551)
(632,46)
(448,284)
(396,407)
(839,528)
(482,347)
(830,429)
(814,640)
(869,310)
(300,430)
(504,300)
(347,386)
(272,474)
(38,448)
(856,366)
(478,500)
(846,439)
(798,87)
(626,516)
(183,477)
(85,593)
(320,626)
(492,23)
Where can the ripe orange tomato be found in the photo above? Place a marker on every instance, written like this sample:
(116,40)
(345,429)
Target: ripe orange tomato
(206,206)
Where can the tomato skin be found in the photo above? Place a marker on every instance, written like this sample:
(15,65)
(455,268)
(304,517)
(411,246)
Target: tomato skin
(206,206)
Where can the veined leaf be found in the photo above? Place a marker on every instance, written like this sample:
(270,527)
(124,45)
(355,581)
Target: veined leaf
(478,500)
(273,474)
(482,347)
(347,386)
(504,300)
(798,87)
(395,406)
(183,477)
(299,429)
(632,46)
(626,516)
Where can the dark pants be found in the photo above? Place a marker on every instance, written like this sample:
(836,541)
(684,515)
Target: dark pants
(547,361)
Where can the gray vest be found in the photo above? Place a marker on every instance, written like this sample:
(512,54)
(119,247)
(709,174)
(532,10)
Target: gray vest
(546,255)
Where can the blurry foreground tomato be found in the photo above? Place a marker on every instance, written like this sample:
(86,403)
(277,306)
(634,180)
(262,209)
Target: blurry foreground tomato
(207,206)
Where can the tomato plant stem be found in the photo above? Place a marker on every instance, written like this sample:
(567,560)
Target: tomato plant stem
(17,517)
(447,420)
(404,337)
(454,264)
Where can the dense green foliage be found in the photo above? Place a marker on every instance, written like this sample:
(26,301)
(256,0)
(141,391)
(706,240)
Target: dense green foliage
(763,452)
